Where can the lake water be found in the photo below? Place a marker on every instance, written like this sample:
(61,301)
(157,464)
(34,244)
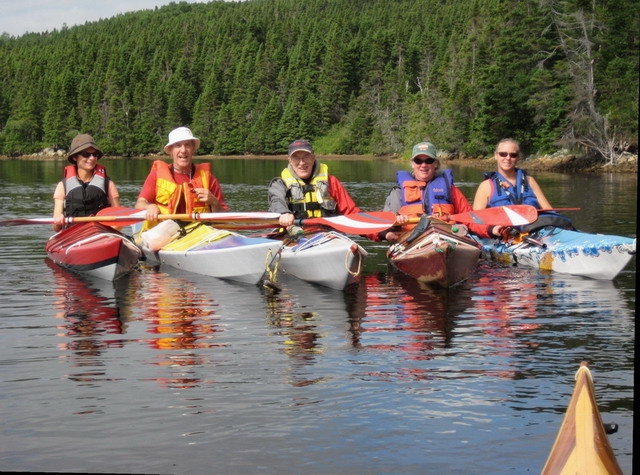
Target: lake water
(169,372)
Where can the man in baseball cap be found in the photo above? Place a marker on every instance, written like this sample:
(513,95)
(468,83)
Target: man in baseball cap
(298,145)
(305,188)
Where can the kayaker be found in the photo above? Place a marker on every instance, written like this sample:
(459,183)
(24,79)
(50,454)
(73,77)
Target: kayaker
(509,185)
(427,190)
(180,187)
(305,189)
(85,188)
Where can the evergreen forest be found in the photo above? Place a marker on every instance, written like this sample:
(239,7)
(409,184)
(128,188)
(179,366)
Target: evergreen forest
(354,76)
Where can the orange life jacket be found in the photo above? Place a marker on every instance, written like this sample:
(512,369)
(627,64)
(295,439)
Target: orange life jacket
(418,197)
(169,194)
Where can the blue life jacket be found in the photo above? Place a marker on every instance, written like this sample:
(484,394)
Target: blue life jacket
(432,195)
(503,193)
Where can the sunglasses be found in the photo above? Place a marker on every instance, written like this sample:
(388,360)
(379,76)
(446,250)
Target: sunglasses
(511,154)
(98,155)
(420,161)
(304,159)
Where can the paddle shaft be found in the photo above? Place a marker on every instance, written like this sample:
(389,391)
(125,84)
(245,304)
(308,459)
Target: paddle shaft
(356,223)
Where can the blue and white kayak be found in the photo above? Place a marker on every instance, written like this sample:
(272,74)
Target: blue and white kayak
(598,256)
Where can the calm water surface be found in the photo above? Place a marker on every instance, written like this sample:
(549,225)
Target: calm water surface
(169,372)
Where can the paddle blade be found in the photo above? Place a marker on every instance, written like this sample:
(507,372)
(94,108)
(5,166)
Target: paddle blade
(116,216)
(22,221)
(358,223)
(514,215)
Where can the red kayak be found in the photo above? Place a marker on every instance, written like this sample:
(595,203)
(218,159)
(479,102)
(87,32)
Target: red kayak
(440,255)
(93,249)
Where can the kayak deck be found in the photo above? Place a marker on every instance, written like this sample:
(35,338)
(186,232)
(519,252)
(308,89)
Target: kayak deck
(438,256)
(328,259)
(582,446)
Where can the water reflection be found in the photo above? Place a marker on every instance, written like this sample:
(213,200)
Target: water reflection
(407,323)
(184,319)
(506,304)
(90,310)
(503,318)
(517,311)
(297,315)
(405,315)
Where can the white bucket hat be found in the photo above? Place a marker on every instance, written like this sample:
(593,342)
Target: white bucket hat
(179,135)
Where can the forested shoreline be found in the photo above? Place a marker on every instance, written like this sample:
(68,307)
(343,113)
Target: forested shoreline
(356,77)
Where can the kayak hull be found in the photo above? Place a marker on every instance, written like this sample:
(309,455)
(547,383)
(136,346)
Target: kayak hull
(217,253)
(438,256)
(597,256)
(93,249)
(328,259)
(581,445)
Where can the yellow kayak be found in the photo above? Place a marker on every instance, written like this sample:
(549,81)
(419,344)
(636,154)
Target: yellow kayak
(581,446)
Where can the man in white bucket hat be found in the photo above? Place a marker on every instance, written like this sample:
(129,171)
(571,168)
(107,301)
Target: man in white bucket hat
(180,187)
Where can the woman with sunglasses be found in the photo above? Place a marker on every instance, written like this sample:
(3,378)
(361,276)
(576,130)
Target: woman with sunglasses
(85,188)
(426,190)
(509,185)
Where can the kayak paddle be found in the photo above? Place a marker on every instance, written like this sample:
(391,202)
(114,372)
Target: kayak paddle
(357,223)
(511,215)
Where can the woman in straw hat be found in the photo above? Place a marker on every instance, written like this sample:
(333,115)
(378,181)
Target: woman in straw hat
(85,188)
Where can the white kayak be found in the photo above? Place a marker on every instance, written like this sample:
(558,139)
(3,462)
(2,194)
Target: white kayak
(598,256)
(217,253)
(329,259)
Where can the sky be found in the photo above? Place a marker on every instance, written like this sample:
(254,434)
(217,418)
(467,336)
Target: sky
(18,17)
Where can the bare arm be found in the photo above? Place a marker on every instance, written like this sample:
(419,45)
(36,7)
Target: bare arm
(151,208)
(544,203)
(58,214)
(58,207)
(483,193)
(113,194)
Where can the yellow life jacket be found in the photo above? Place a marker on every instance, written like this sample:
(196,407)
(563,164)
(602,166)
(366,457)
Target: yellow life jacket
(312,199)
(169,193)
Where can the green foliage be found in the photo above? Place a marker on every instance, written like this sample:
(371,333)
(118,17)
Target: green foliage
(356,77)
